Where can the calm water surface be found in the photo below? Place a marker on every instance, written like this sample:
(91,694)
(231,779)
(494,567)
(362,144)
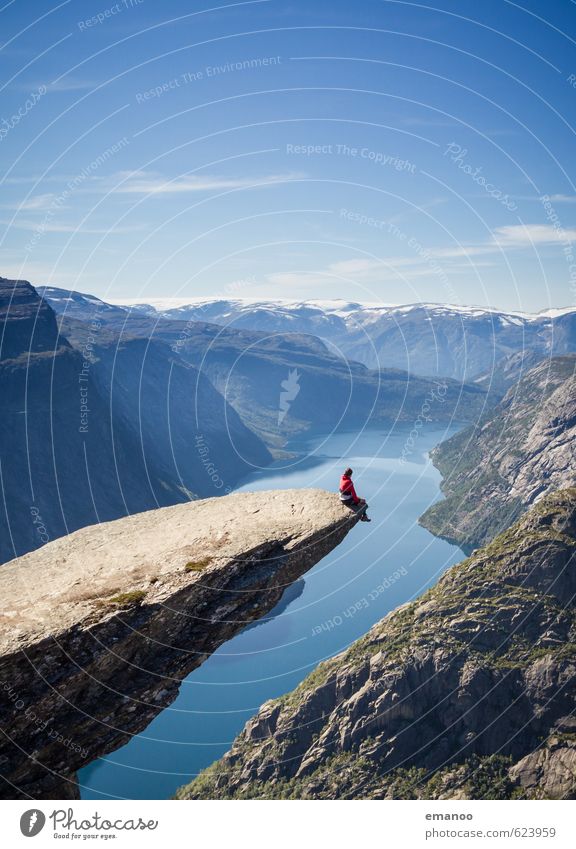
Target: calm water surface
(335,603)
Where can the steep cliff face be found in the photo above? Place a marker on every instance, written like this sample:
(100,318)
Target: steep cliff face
(467,692)
(98,629)
(94,432)
(28,324)
(522,450)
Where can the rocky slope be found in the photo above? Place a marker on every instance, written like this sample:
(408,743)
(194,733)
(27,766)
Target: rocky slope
(517,453)
(467,692)
(98,629)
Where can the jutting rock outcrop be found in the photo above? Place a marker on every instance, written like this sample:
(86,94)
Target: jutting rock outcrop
(98,629)
(467,692)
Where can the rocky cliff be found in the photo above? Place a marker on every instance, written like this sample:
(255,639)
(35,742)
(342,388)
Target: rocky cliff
(98,629)
(467,692)
(91,432)
(523,449)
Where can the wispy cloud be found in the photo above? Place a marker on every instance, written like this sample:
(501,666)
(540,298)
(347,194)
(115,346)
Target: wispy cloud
(142,182)
(38,273)
(452,260)
(149,182)
(366,270)
(526,235)
(462,251)
(62,84)
(298,278)
(355,266)
(71,84)
(555,198)
(55,227)
(39,203)
(563,198)
(35,178)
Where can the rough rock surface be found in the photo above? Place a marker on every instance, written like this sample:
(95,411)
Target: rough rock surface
(98,628)
(467,692)
(516,454)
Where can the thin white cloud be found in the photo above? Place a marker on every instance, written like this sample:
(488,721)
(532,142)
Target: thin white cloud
(297,278)
(451,260)
(38,203)
(64,84)
(140,182)
(36,178)
(54,227)
(367,270)
(38,273)
(526,235)
(462,251)
(355,266)
(562,198)
(71,84)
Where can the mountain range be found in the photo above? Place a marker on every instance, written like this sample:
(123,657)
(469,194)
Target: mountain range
(111,411)
(459,342)
(250,366)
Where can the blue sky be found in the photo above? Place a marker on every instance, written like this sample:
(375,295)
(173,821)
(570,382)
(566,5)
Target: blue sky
(377,150)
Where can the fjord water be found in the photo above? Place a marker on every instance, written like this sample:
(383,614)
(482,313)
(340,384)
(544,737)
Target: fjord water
(376,568)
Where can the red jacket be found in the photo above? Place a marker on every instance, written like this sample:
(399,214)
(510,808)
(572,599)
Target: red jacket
(346,485)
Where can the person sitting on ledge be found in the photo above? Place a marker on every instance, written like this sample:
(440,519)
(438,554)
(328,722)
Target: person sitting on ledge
(348,496)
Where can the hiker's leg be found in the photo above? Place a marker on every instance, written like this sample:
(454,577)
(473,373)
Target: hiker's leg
(362,511)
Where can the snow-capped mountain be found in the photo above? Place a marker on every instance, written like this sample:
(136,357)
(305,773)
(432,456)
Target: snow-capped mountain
(448,340)
(444,339)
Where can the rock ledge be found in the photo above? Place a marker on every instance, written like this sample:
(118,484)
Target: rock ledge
(98,628)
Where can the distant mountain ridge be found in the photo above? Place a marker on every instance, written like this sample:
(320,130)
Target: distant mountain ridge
(337,306)
(445,340)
